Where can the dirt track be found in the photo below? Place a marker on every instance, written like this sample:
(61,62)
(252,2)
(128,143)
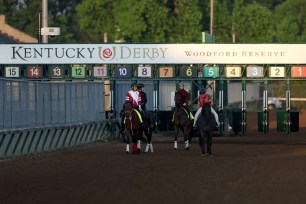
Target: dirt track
(250,168)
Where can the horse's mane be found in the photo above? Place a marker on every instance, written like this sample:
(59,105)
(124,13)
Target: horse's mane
(130,102)
(206,111)
(128,105)
(177,101)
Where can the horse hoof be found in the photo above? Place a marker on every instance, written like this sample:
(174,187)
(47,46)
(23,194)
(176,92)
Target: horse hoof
(175,149)
(127,152)
(187,148)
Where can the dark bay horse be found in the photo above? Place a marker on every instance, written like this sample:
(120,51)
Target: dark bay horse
(133,129)
(206,125)
(182,122)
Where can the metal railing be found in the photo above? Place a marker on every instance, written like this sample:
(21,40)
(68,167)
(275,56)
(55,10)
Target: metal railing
(44,116)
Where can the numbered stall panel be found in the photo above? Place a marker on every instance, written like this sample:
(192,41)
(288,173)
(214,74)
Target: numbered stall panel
(12,72)
(277,72)
(123,71)
(298,71)
(210,72)
(78,72)
(34,72)
(56,72)
(100,71)
(233,71)
(189,71)
(166,72)
(144,71)
(255,71)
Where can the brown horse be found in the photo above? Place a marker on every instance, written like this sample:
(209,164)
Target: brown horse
(133,129)
(206,125)
(182,122)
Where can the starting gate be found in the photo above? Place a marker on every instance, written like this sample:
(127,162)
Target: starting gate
(161,67)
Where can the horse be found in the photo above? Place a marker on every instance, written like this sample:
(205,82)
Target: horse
(206,125)
(133,129)
(182,122)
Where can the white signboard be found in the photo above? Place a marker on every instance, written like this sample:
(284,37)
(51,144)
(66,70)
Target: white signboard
(153,54)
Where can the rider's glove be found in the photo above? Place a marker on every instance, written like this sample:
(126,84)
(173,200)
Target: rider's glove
(184,104)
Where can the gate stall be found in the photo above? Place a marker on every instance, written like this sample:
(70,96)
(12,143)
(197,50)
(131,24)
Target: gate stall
(161,67)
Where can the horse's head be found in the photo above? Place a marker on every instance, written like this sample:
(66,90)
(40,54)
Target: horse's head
(177,99)
(128,108)
(206,110)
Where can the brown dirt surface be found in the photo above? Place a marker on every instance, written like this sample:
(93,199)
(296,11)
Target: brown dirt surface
(246,168)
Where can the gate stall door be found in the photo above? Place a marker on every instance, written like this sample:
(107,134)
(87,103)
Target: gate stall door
(121,88)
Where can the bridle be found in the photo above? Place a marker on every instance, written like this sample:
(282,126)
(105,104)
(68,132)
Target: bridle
(177,101)
(128,111)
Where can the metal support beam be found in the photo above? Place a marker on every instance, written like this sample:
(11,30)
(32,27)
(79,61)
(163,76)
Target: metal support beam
(243,107)
(45,19)
(221,107)
(265,119)
(288,95)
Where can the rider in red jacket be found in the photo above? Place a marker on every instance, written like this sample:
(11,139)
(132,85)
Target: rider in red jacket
(133,96)
(204,98)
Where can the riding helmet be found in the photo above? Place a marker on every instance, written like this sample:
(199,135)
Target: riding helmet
(202,91)
(133,84)
(139,86)
(181,84)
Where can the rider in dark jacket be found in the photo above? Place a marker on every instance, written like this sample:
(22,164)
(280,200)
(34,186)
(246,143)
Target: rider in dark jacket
(185,98)
(143,107)
(143,97)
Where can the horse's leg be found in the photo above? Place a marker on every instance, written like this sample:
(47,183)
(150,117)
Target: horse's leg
(202,143)
(149,147)
(138,145)
(149,143)
(175,137)
(209,143)
(186,138)
(134,147)
(134,143)
(127,140)
(139,136)
(149,135)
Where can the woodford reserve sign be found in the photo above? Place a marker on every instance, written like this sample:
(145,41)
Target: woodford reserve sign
(153,54)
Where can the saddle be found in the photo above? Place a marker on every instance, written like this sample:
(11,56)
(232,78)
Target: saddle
(188,113)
